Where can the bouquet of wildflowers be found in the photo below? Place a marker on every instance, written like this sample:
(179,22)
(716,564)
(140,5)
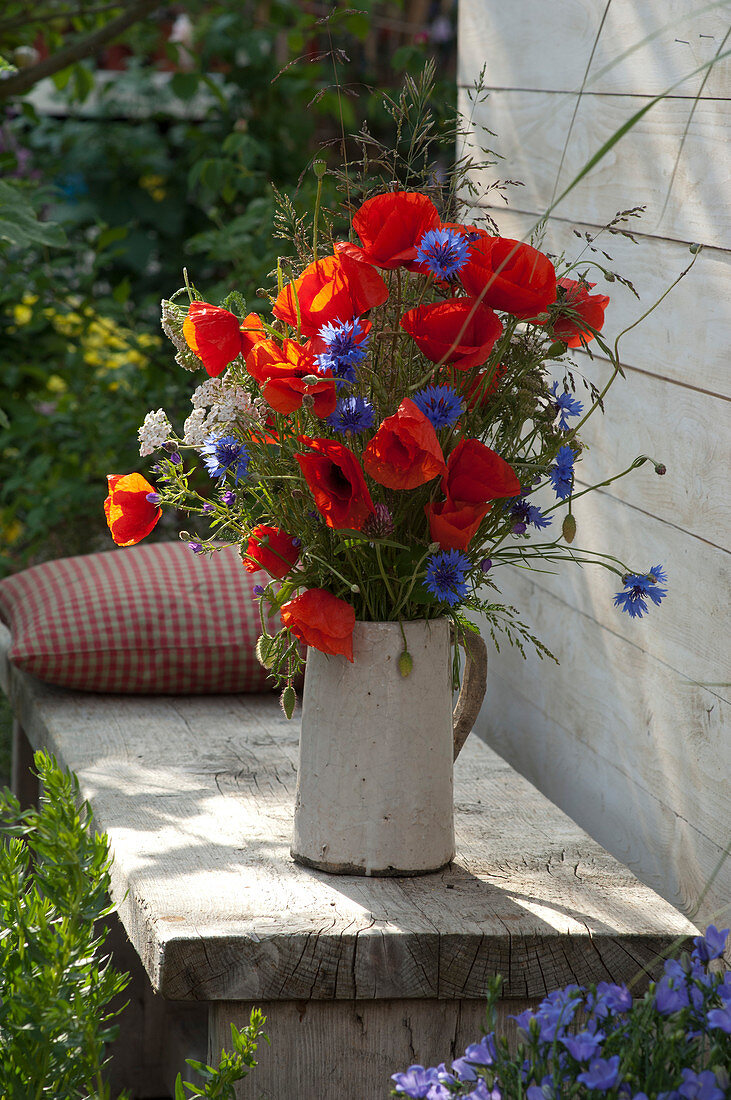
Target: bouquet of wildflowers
(399,426)
(671,1045)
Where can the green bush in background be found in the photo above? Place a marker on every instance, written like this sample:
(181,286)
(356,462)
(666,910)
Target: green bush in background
(134,176)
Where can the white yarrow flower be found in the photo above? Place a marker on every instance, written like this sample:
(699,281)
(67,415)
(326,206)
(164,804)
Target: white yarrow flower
(154,432)
(195,429)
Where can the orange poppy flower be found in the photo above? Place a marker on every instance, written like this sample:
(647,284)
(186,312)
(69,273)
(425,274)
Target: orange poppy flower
(281,370)
(405,451)
(130,515)
(322,621)
(454,526)
(336,288)
(509,275)
(589,307)
(272,549)
(214,335)
(459,331)
(336,481)
(476,475)
(391,226)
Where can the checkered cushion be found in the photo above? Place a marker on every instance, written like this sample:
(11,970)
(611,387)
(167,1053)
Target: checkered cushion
(154,619)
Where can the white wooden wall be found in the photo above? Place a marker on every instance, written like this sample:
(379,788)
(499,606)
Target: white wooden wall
(627,735)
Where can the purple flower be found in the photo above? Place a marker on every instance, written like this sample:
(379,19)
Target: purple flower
(444,251)
(482,1053)
(562,474)
(638,589)
(225,455)
(258,590)
(602,1073)
(352,414)
(196,547)
(441,405)
(483,1092)
(228,498)
(583,1046)
(347,343)
(486,565)
(464,1069)
(208,507)
(721,1018)
(669,996)
(154,498)
(524,513)
(700,1086)
(712,944)
(416,1082)
(565,405)
(612,998)
(175,458)
(445,576)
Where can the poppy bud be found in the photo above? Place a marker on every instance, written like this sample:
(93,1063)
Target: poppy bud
(288,699)
(569,528)
(405,663)
(265,651)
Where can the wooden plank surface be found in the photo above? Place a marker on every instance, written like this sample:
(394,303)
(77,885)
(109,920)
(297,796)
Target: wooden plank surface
(531,128)
(196,795)
(322,1049)
(636,750)
(686,339)
(645,46)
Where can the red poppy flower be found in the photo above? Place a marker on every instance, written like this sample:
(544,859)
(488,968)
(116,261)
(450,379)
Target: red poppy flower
(214,335)
(460,331)
(391,226)
(589,307)
(322,621)
(272,549)
(453,526)
(514,276)
(475,475)
(337,483)
(130,515)
(281,370)
(337,288)
(405,451)
(252,331)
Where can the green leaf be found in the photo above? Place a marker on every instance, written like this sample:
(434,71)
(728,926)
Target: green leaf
(19,222)
(184,85)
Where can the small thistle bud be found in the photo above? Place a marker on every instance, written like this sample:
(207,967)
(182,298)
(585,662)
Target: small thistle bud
(319,168)
(379,524)
(660,469)
(569,528)
(609,276)
(288,699)
(405,663)
(308,401)
(311,379)
(265,651)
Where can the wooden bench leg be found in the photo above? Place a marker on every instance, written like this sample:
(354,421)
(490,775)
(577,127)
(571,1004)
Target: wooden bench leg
(336,1049)
(23,783)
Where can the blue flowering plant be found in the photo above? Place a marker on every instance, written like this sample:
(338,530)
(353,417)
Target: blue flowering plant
(587,1044)
(401,426)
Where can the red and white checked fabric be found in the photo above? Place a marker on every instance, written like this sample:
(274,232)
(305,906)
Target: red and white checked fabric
(154,619)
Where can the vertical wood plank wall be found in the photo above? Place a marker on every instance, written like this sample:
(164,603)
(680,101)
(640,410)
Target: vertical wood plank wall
(627,735)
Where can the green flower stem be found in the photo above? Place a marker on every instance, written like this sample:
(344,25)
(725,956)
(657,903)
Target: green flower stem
(383,573)
(404,599)
(639,461)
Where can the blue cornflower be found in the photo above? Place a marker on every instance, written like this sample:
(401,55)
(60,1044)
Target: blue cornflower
(445,575)
(523,513)
(352,414)
(566,405)
(638,589)
(562,474)
(440,404)
(602,1074)
(225,455)
(347,343)
(444,251)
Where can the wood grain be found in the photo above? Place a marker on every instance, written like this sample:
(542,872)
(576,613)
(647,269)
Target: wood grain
(196,795)
(531,129)
(694,316)
(320,1049)
(532,44)
(637,750)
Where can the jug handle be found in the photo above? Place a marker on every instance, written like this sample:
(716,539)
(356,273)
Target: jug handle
(472,692)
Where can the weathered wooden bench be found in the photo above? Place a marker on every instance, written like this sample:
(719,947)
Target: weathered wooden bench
(358,977)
